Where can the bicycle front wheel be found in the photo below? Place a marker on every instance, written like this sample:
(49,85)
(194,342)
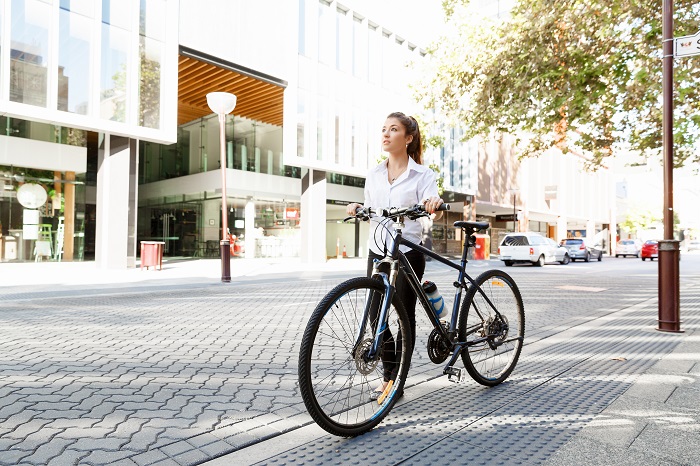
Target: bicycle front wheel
(347,389)
(494,340)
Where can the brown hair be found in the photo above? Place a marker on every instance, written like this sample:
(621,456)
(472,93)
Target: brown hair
(415,147)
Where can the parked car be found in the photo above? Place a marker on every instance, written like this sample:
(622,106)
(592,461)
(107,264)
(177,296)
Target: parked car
(694,245)
(531,247)
(627,247)
(650,250)
(579,249)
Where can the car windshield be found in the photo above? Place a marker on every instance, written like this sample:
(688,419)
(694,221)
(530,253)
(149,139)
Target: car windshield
(573,241)
(627,241)
(515,241)
(650,243)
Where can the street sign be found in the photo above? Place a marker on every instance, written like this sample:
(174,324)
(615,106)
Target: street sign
(686,46)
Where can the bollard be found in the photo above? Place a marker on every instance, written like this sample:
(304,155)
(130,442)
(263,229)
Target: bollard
(669,287)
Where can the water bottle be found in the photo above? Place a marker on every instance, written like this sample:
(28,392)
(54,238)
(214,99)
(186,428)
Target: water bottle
(435,299)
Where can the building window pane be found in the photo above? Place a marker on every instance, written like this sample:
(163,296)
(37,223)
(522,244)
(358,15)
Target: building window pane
(116,13)
(73,59)
(359,49)
(114,72)
(301,118)
(302,27)
(374,52)
(150,56)
(326,35)
(29,55)
(151,16)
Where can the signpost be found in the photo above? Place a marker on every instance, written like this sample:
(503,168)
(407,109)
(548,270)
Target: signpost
(686,46)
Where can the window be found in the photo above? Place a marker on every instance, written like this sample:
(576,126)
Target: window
(326,34)
(113,68)
(359,48)
(74,30)
(30,51)
(302,27)
(151,51)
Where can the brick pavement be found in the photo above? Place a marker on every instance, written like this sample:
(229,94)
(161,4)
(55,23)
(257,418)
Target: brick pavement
(183,373)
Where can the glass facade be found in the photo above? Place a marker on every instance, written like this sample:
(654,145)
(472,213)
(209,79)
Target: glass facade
(30,51)
(101,62)
(189,224)
(74,55)
(42,237)
(251,146)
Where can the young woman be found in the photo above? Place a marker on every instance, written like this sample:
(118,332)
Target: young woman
(399,181)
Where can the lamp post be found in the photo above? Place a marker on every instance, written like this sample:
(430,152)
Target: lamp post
(514,191)
(223,103)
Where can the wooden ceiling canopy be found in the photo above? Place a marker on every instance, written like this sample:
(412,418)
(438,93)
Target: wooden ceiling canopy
(256,99)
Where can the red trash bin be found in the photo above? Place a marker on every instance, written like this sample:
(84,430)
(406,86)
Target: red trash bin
(152,254)
(482,249)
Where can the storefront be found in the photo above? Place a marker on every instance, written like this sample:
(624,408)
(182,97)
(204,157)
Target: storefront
(43,210)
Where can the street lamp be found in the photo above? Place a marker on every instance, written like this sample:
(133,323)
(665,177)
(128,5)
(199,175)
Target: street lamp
(514,191)
(223,103)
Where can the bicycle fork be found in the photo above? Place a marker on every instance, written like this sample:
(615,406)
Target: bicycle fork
(382,322)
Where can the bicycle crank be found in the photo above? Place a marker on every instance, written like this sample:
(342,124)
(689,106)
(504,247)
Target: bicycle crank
(439,348)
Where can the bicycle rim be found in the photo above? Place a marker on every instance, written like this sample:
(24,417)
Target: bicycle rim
(336,378)
(498,342)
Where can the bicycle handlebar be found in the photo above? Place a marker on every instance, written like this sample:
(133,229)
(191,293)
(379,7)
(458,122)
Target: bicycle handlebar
(412,212)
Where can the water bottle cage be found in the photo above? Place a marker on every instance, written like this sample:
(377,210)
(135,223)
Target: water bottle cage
(437,300)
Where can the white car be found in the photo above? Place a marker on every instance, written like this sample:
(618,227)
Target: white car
(531,247)
(627,247)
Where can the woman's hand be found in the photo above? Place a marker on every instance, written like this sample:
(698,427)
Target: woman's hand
(431,204)
(351,208)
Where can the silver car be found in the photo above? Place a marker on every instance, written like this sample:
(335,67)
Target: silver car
(578,249)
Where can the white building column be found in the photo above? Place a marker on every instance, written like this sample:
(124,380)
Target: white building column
(561,227)
(251,236)
(590,229)
(313,216)
(117,202)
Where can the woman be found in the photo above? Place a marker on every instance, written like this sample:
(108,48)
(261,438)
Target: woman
(399,181)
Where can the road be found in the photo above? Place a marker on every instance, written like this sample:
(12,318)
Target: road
(185,374)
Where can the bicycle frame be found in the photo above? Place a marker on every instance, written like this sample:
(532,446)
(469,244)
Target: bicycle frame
(395,257)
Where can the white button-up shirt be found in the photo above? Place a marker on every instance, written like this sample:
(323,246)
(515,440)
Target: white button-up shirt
(414,185)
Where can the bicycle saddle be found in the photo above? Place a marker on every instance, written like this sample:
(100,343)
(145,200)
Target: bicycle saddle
(472,226)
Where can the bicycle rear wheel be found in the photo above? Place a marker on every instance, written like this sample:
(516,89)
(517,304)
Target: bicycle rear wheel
(496,340)
(336,377)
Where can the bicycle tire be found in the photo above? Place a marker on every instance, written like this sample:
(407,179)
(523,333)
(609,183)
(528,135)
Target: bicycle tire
(336,383)
(485,364)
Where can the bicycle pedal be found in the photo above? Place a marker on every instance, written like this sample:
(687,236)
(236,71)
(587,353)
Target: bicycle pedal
(455,374)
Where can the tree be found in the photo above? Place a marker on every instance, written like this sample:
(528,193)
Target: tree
(580,75)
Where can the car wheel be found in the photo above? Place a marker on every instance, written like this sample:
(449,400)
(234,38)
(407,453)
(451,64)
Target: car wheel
(644,258)
(617,256)
(508,263)
(566,260)
(600,256)
(587,258)
(539,262)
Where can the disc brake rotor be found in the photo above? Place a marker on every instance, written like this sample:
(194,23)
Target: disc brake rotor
(365,366)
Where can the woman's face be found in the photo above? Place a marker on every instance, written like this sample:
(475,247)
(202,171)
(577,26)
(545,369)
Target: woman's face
(394,137)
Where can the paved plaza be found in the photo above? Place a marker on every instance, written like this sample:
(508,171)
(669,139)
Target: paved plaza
(172,367)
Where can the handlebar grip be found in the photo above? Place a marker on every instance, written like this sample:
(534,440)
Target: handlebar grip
(443,206)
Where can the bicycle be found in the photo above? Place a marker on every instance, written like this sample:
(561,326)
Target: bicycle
(358,336)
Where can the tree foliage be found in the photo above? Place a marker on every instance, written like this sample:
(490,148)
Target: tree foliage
(580,75)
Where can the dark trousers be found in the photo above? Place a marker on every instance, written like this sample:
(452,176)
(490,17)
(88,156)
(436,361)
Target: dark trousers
(408,299)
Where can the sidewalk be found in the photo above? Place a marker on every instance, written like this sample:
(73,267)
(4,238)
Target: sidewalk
(634,402)
(48,276)
(104,376)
